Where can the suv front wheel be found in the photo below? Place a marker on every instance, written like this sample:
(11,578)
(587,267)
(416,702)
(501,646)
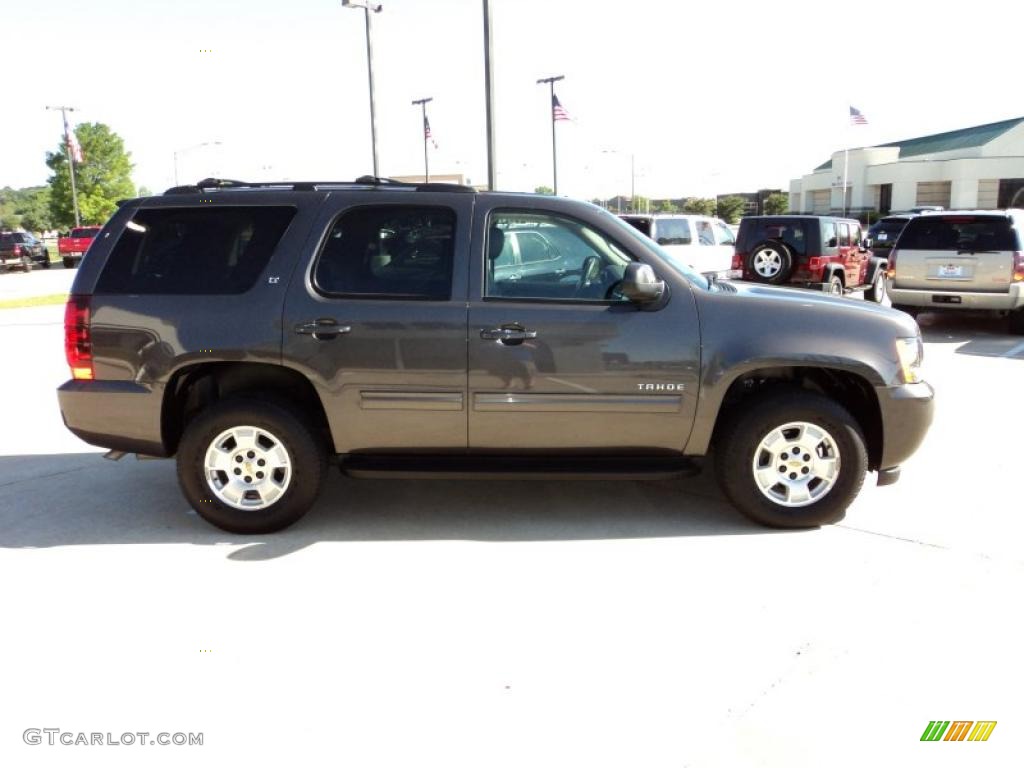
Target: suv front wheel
(795,459)
(250,465)
(771,262)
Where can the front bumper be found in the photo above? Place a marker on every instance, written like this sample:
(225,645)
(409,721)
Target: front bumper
(119,415)
(907,411)
(947,297)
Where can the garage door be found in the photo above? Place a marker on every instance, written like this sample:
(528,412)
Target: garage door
(934,193)
(821,201)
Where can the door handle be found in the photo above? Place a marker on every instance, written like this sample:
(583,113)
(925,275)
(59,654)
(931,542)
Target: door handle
(507,335)
(322,329)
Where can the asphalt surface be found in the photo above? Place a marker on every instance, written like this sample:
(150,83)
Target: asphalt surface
(517,623)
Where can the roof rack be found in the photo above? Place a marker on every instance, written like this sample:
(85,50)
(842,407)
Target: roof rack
(314,186)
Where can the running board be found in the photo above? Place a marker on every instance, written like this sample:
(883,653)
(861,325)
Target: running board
(498,467)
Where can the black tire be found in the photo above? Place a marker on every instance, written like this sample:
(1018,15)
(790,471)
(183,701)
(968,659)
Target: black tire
(770,262)
(834,286)
(46,264)
(876,292)
(1017,322)
(307,458)
(26,265)
(740,437)
(912,311)
(68,263)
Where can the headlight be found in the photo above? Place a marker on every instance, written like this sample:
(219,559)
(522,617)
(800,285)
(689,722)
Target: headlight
(910,353)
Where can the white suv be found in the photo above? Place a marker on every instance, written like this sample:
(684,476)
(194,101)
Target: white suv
(703,243)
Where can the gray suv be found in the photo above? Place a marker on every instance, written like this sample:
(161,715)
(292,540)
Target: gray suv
(260,331)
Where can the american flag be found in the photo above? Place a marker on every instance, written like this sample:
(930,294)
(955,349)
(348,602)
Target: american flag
(74,148)
(426,132)
(856,118)
(557,110)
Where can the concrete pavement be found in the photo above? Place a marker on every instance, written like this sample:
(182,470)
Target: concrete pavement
(520,622)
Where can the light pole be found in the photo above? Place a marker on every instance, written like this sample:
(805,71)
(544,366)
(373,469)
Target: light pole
(554,145)
(367,8)
(189,149)
(71,159)
(426,136)
(492,152)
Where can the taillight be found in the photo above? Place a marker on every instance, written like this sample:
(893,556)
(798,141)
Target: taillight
(890,269)
(1018,266)
(17,250)
(77,340)
(737,260)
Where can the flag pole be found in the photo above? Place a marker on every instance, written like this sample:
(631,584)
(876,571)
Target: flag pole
(71,161)
(554,144)
(426,153)
(846,168)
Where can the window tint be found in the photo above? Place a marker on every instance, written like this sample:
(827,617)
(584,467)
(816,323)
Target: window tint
(673,232)
(792,233)
(959,233)
(534,247)
(211,250)
(389,251)
(844,234)
(829,235)
(705,235)
(580,264)
(642,224)
(85,231)
(7,238)
(725,235)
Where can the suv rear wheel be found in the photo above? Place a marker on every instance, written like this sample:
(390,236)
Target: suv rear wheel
(250,466)
(795,459)
(1017,321)
(771,262)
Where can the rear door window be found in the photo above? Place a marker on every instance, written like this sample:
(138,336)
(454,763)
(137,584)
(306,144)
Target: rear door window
(844,234)
(209,250)
(959,233)
(705,235)
(389,252)
(673,232)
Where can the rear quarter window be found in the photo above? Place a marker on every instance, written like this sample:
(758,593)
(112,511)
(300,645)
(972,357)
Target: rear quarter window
(209,250)
(959,233)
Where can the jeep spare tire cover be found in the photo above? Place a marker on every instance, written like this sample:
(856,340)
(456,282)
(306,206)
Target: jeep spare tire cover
(771,262)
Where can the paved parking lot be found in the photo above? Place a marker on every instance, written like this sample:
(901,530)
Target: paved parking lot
(516,623)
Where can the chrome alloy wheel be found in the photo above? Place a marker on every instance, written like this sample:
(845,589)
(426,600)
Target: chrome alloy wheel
(796,464)
(767,262)
(247,467)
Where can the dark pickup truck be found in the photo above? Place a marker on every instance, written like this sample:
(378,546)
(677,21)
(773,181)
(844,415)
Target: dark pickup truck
(260,331)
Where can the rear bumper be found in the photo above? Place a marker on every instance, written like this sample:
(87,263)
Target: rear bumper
(119,415)
(947,297)
(907,412)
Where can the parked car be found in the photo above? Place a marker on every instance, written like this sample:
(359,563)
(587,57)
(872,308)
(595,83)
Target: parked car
(372,325)
(960,260)
(818,252)
(883,233)
(703,243)
(21,250)
(73,247)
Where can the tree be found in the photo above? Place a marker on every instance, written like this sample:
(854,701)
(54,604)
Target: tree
(665,206)
(639,204)
(776,203)
(34,208)
(102,178)
(145,192)
(9,220)
(701,205)
(731,208)
(542,190)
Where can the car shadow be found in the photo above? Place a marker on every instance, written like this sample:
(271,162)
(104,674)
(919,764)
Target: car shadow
(80,499)
(978,333)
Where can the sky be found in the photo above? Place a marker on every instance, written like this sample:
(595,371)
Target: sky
(704,98)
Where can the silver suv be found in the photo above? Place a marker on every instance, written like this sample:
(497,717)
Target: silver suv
(960,260)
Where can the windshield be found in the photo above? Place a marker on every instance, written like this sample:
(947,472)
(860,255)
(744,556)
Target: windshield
(617,224)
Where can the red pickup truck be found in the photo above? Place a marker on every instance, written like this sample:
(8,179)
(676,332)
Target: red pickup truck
(73,248)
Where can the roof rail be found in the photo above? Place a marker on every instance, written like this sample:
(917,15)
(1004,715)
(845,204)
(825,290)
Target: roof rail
(314,186)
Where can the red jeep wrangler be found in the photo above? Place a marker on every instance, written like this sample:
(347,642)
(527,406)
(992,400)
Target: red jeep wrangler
(820,252)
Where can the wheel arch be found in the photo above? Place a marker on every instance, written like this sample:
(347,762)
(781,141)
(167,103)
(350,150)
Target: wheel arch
(193,388)
(850,389)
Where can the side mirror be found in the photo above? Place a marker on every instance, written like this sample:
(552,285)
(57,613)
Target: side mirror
(640,285)
(865,243)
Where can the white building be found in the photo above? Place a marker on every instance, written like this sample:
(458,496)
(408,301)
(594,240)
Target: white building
(979,167)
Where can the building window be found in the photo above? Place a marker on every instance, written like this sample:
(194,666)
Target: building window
(821,201)
(1011,193)
(934,193)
